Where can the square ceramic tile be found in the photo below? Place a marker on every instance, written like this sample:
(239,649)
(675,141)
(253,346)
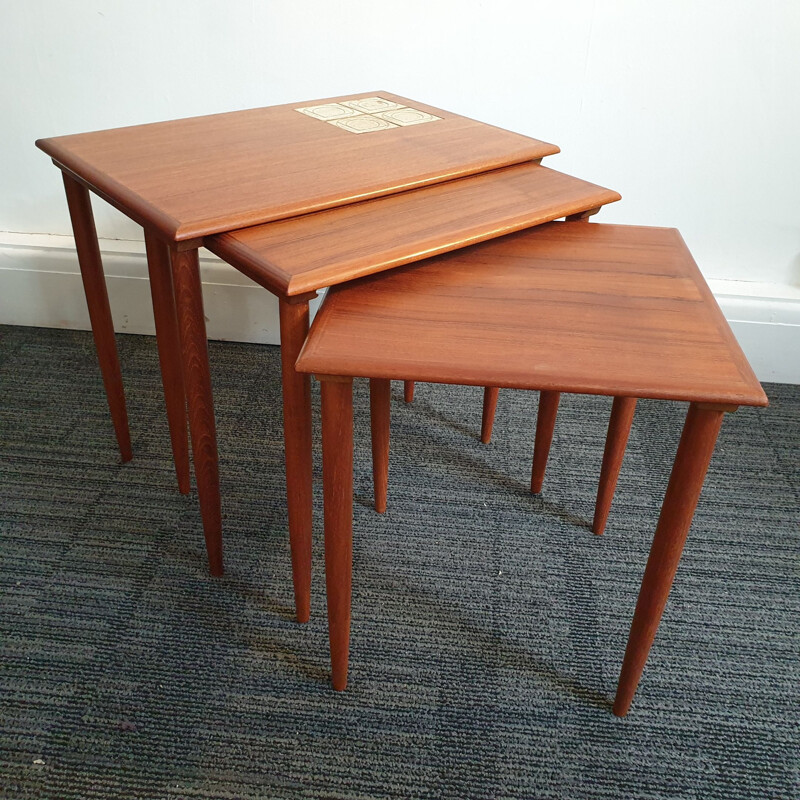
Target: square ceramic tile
(406,116)
(363,123)
(371,105)
(328,111)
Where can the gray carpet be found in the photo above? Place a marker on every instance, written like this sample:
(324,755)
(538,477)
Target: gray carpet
(488,625)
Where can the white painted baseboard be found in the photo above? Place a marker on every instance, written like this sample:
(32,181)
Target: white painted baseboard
(40,285)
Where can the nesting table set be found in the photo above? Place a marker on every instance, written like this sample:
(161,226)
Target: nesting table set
(438,234)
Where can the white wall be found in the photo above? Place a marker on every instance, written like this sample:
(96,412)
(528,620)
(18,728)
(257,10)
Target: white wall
(690,108)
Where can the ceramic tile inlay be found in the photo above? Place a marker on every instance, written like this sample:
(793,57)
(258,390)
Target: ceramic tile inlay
(328,112)
(363,123)
(367,114)
(371,105)
(406,116)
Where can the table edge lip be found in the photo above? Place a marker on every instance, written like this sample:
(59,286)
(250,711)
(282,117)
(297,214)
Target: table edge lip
(145,213)
(293,105)
(268,273)
(586,388)
(753,394)
(136,207)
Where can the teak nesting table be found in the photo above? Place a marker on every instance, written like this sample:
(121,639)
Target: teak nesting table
(442,181)
(594,309)
(310,195)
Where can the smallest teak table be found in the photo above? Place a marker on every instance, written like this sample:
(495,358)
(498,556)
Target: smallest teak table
(610,310)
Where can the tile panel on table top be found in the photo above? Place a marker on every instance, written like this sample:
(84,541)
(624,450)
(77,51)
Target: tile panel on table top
(367,116)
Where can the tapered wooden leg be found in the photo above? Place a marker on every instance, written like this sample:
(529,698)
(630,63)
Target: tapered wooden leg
(337,486)
(583,216)
(545,424)
(94,287)
(169,353)
(683,491)
(490,394)
(297,448)
(197,380)
(380,420)
(408,391)
(619,426)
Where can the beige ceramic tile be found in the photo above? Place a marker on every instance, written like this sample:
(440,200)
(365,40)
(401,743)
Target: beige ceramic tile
(363,123)
(406,116)
(371,105)
(328,111)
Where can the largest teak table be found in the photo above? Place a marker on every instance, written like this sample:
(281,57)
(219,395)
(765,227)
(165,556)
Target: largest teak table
(186,180)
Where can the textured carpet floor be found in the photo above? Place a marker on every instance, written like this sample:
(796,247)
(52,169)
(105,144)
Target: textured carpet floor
(488,625)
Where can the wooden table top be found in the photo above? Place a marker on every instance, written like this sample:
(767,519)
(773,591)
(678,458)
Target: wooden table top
(302,254)
(194,177)
(568,306)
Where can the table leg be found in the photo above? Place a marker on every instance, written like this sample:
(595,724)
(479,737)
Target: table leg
(490,394)
(169,353)
(489,405)
(619,427)
(683,491)
(337,485)
(380,422)
(582,216)
(94,286)
(197,380)
(297,448)
(545,424)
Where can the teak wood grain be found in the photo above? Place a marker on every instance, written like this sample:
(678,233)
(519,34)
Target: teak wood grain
(199,399)
(168,342)
(545,427)
(94,287)
(490,396)
(296,389)
(305,253)
(695,449)
(337,490)
(597,309)
(194,177)
(619,428)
